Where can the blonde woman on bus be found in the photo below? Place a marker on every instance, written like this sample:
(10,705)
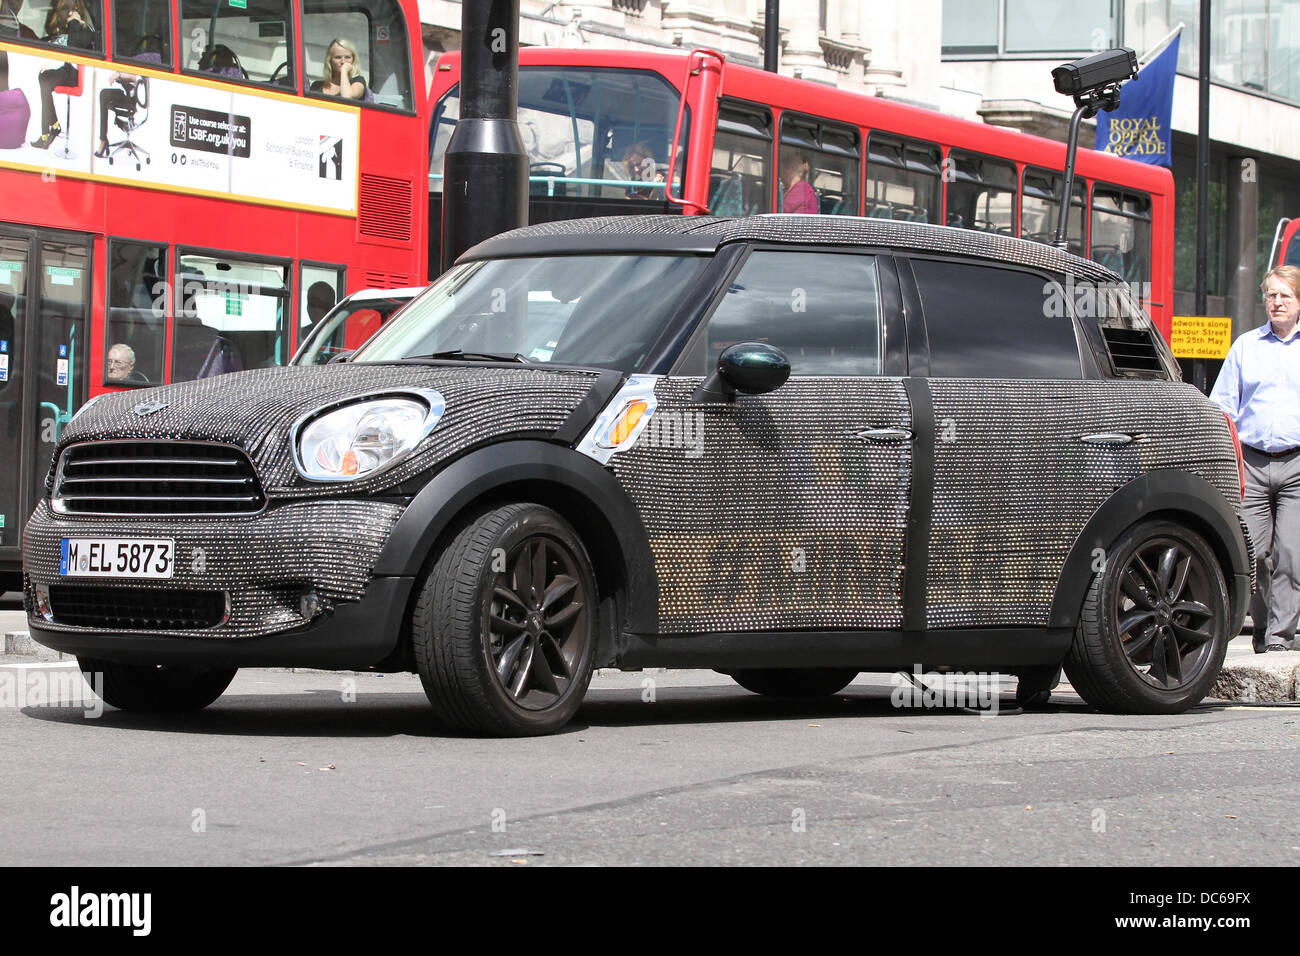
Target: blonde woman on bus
(342,75)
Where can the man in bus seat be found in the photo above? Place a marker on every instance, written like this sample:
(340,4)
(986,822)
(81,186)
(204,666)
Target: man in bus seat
(320,299)
(119,367)
(1259,390)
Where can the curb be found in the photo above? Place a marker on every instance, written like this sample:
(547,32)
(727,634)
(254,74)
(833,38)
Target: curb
(1261,678)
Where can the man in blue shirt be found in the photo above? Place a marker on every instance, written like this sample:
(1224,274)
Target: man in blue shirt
(1259,388)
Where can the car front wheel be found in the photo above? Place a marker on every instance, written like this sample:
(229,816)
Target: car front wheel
(150,689)
(1153,631)
(504,630)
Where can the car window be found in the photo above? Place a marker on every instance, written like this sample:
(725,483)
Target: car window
(822,310)
(987,322)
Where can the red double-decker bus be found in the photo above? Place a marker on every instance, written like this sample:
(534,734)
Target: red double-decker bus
(187,185)
(600,128)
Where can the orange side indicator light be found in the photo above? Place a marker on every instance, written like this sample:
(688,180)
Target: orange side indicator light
(627,421)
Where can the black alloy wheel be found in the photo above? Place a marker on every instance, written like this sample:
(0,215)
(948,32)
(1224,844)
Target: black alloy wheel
(1154,628)
(504,630)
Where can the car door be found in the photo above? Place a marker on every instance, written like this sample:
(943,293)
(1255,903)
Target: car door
(787,509)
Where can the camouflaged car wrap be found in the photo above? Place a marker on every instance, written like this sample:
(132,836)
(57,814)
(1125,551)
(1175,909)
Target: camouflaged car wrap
(263,561)
(255,411)
(316,534)
(774,512)
(1015,484)
(810,230)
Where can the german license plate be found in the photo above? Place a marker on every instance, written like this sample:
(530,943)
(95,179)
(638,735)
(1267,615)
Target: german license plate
(116,558)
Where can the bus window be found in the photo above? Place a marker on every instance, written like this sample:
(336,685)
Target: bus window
(1040,207)
(902,179)
(586,131)
(230,315)
(982,193)
(248,42)
(831,153)
(319,289)
(142,31)
(137,312)
(76,25)
(1121,233)
(740,179)
(375,31)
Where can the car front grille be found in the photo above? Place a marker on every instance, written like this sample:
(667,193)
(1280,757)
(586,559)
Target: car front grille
(97,605)
(156,478)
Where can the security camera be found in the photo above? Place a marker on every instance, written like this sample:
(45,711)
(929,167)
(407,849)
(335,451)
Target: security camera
(1095,72)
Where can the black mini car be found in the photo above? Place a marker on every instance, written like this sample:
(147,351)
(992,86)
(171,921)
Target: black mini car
(787,448)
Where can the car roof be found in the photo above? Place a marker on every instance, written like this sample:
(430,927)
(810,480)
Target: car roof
(705,234)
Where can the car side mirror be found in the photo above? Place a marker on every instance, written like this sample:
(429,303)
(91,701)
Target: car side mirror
(749,367)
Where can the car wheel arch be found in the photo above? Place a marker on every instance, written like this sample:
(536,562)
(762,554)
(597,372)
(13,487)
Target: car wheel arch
(1167,494)
(581,491)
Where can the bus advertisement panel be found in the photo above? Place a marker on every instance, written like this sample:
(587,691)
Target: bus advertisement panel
(185,135)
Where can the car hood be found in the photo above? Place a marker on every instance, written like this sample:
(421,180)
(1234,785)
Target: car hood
(256,410)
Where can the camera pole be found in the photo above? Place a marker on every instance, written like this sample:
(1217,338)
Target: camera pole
(1094,83)
(1089,105)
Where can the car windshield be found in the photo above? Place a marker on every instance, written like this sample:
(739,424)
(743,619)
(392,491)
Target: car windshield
(604,310)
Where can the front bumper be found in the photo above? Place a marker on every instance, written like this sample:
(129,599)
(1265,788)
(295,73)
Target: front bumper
(352,637)
(263,563)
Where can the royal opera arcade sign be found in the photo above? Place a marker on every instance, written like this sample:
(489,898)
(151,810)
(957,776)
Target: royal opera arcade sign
(1139,128)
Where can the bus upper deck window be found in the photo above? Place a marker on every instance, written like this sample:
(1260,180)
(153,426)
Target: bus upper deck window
(252,42)
(142,32)
(367,42)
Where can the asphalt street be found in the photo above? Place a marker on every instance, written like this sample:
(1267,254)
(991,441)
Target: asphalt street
(674,767)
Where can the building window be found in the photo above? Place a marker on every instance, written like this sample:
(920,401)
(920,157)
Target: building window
(1027,27)
(1254,44)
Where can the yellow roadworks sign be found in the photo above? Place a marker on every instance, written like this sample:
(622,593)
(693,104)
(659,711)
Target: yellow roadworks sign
(1201,336)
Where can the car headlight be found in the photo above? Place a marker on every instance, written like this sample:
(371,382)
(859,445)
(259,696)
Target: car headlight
(365,437)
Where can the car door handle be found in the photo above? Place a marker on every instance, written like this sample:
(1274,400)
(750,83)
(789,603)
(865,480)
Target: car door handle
(1114,438)
(885,435)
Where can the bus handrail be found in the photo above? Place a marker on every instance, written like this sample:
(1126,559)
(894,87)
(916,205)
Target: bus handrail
(1277,237)
(681,114)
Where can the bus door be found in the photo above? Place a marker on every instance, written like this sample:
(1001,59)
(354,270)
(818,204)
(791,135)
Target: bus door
(44,312)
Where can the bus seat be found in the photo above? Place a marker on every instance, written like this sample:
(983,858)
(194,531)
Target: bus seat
(726,197)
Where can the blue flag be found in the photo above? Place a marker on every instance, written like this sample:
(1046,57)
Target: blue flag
(1139,129)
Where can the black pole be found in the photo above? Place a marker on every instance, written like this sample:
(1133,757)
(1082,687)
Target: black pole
(1072,147)
(771,34)
(485,175)
(1199,374)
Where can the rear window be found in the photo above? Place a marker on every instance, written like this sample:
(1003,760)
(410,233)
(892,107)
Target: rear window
(989,322)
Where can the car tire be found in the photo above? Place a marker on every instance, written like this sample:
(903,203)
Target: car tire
(1153,630)
(794,682)
(496,654)
(155,689)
